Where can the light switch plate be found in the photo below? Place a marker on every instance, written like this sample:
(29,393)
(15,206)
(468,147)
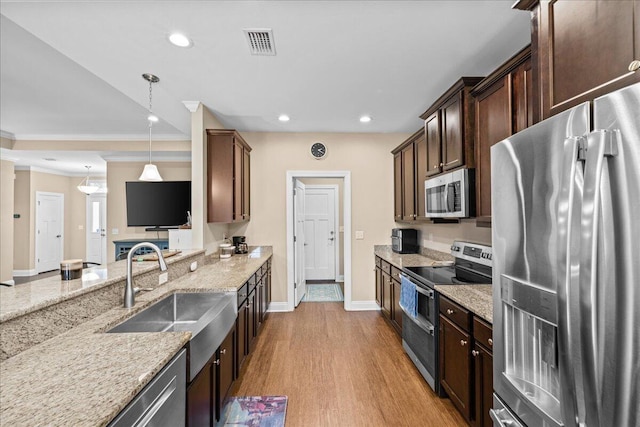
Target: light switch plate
(359,235)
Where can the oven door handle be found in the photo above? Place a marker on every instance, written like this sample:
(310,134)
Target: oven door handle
(427,292)
(424,325)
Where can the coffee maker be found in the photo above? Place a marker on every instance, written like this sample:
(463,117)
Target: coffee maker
(240,243)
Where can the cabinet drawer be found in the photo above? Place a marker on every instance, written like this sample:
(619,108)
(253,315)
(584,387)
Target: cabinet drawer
(483,333)
(242,294)
(385,266)
(395,273)
(378,261)
(252,283)
(456,313)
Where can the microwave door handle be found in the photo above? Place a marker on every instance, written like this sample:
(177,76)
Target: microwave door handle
(449,196)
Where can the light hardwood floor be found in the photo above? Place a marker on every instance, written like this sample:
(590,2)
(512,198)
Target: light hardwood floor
(340,368)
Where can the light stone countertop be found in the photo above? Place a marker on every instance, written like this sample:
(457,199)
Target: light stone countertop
(85,377)
(475,298)
(28,297)
(427,258)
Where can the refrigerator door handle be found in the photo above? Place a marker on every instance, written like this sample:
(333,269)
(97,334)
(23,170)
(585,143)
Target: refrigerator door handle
(600,143)
(567,285)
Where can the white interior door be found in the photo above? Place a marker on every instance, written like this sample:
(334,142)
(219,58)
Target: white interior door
(96,228)
(320,232)
(300,287)
(49,230)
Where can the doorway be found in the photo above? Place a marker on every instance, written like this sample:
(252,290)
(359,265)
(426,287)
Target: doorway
(96,235)
(293,255)
(49,242)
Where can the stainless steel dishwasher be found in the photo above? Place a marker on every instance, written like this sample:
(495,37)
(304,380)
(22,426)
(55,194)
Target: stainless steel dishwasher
(162,402)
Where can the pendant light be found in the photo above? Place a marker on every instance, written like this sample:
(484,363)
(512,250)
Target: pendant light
(150,172)
(85,186)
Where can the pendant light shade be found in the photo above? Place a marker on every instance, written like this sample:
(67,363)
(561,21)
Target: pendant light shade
(150,172)
(86,187)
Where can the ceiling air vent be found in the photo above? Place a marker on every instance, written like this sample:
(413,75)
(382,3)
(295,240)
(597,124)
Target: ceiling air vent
(260,41)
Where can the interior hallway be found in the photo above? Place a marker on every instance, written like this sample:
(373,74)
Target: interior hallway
(340,368)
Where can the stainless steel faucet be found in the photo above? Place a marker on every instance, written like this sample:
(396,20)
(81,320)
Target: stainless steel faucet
(129,292)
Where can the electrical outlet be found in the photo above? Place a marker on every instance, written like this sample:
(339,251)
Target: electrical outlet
(163,278)
(359,235)
(193,266)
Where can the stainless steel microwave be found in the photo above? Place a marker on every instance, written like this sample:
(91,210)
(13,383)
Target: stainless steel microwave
(450,195)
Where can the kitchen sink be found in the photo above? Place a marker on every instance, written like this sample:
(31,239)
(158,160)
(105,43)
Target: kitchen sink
(208,316)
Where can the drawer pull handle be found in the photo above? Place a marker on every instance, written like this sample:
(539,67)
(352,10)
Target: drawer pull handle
(449,311)
(463,343)
(490,341)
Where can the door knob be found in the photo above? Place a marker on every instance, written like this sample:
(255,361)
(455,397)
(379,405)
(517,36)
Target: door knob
(59,235)
(331,238)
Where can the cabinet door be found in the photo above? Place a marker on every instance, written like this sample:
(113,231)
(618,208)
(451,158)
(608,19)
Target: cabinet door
(483,368)
(226,370)
(397,186)
(378,273)
(455,365)
(200,399)
(386,295)
(434,144)
(396,310)
(268,293)
(246,185)
(452,133)
(420,154)
(408,184)
(585,50)
(237,181)
(522,97)
(251,320)
(259,305)
(241,337)
(493,124)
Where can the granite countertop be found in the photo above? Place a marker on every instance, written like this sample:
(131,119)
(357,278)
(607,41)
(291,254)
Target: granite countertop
(25,298)
(86,377)
(475,298)
(427,258)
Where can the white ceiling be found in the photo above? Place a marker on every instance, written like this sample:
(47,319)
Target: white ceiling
(72,70)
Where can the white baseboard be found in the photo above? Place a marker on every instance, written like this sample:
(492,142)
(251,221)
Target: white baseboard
(275,307)
(340,279)
(364,306)
(9,282)
(24,273)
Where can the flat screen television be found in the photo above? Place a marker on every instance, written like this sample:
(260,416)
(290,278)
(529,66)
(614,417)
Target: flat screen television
(161,204)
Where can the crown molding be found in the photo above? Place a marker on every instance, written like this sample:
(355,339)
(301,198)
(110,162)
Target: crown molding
(132,137)
(191,105)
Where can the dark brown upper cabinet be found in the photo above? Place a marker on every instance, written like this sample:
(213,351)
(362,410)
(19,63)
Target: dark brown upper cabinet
(503,106)
(228,176)
(410,164)
(448,128)
(582,50)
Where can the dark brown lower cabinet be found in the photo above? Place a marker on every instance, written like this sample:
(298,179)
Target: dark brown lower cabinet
(251,320)
(396,312)
(378,273)
(225,370)
(483,367)
(241,337)
(200,398)
(386,295)
(455,365)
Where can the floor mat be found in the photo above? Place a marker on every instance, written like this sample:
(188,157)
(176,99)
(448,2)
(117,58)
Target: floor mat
(254,411)
(323,293)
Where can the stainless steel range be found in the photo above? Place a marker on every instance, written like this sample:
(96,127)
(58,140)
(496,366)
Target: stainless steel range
(472,265)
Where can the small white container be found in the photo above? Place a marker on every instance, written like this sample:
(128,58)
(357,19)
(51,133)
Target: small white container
(226,250)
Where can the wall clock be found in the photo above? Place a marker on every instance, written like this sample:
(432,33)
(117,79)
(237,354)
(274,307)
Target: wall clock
(318,150)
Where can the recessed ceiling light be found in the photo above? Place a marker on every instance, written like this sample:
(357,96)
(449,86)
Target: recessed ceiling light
(284,118)
(365,119)
(50,159)
(180,40)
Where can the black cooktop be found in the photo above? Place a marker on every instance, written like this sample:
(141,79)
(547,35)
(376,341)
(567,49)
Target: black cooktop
(447,275)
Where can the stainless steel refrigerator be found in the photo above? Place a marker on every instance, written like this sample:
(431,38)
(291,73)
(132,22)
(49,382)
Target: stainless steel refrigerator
(566,273)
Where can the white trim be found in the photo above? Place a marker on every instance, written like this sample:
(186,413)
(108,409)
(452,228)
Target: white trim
(278,307)
(191,105)
(8,135)
(346,207)
(336,222)
(9,282)
(115,137)
(364,306)
(24,273)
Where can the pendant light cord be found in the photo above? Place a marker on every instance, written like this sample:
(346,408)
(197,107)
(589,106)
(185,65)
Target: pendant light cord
(150,122)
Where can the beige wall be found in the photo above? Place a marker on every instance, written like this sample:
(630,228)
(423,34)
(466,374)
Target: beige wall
(340,183)
(368,158)
(117,174)
(27,183)
(441,236)
(7,174)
